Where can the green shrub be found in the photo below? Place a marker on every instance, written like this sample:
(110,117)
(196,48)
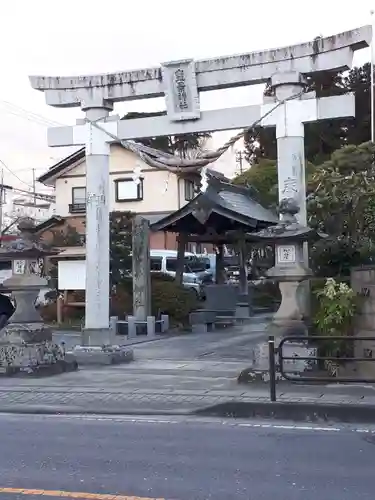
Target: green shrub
(170,298)
(70,314)
(48,312)
(334,316)
(121,301)
(266,294)
(166,298)
(318,284)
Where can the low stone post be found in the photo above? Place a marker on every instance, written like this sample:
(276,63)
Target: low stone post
(150,326)
(132,327)
(113,327)
(164,323)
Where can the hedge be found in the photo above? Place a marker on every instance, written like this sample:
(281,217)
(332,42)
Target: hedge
(167,297)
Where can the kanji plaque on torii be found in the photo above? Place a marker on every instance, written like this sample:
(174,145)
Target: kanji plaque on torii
(180,82)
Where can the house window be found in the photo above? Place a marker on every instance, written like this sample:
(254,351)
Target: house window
(128,190)
(78,195)
(190,189)
(78,204)
(155,263)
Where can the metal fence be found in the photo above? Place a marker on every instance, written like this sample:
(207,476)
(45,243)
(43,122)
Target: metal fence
(278,354)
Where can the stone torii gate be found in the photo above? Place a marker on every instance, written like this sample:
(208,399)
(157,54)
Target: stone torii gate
(180,82)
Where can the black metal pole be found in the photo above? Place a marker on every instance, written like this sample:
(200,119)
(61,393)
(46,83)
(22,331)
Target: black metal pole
(272,367)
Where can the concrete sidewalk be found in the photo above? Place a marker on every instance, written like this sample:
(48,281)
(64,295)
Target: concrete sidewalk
(188,374)
(66,395)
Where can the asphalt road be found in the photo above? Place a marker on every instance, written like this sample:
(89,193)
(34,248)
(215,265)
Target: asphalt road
(183,459)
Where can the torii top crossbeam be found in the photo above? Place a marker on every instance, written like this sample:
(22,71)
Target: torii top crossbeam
(323,54)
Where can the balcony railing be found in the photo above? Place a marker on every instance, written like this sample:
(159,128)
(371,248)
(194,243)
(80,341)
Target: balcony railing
(77,208)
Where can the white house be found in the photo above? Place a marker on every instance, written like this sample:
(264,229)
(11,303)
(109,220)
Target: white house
(159,193)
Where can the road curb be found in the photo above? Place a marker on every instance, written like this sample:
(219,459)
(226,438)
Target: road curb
(280,410)
(76,410)
(295,411)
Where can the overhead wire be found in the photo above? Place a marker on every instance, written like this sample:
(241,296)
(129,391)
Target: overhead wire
(18,111)
(29,115)
(14,174)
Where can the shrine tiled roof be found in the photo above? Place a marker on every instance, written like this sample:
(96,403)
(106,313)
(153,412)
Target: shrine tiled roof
(222,207)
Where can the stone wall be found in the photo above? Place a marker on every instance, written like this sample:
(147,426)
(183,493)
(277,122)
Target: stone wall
(363,283)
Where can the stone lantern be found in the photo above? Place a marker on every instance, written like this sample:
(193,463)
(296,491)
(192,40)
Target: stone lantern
(290,269)
(25,341)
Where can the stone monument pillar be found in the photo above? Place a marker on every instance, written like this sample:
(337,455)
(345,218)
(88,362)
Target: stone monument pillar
(26,342)
(141,269)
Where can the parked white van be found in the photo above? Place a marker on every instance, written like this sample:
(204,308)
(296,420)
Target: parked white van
(195,275)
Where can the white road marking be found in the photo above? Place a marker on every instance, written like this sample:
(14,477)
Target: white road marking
(204,421)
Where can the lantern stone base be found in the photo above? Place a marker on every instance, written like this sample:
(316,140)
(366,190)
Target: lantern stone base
(25,332)
(28,348)
(259,370)
(289,319)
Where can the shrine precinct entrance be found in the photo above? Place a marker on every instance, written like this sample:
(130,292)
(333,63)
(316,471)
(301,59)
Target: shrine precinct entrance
(180,82)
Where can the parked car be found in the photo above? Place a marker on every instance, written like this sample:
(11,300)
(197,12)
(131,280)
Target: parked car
(195,275)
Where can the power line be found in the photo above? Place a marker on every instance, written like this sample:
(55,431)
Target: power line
(27,169)
(29,115)
(14,174)
(41,196)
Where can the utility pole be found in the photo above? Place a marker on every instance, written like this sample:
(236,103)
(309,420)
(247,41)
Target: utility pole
(34,197)
(1,202)
(372,99)
(240,157)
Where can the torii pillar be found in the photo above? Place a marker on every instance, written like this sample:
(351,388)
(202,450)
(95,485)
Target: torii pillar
(289,119)
(97,145)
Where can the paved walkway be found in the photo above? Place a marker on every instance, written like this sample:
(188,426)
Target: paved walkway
(178,374)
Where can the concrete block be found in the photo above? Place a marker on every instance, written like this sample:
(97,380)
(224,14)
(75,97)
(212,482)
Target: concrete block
(242,310)
(150,326)
(199,328)
(221,298)
(202,317)
(105,355)
(97,337)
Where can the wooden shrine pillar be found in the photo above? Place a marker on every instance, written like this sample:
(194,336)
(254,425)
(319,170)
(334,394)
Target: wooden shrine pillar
(181,244)
(219,271)
(243,285)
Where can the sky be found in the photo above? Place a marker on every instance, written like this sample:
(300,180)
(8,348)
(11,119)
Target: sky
(76,37)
